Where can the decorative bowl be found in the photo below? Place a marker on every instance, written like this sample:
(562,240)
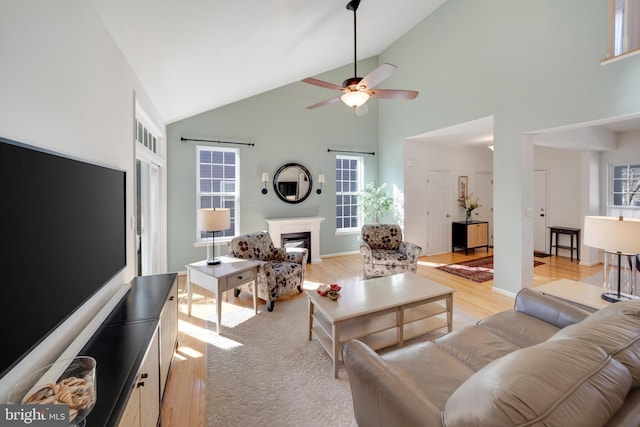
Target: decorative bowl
(334,295)
(335,287)
(67,381)
(323,293)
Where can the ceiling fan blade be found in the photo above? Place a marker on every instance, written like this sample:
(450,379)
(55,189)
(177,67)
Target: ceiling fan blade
(322,103)
(378,75)
(393,94)
(362,110)
(323,84)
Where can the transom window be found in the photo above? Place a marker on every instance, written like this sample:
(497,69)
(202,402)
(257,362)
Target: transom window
(349,177)
(625,185)
(217,182)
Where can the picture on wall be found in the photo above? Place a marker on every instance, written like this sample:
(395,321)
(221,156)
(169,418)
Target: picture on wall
(463,185)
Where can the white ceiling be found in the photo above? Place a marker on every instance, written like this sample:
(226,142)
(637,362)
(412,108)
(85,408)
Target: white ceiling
(195,55)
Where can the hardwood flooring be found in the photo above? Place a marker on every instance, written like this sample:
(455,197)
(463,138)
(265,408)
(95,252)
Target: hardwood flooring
(184,401)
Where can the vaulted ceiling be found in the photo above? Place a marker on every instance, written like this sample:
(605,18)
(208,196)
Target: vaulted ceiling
(195,55)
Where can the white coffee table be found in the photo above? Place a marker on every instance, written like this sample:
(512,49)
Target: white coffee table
(220,278)
(383,311)
(584,295)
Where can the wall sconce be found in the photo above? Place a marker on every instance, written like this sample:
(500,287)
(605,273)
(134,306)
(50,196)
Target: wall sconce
(265,179)
(320,182)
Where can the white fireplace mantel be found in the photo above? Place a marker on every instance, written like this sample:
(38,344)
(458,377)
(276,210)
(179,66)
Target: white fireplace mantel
(280,226)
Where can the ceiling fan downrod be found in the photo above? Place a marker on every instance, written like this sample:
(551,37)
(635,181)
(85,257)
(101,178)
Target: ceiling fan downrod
(353,5)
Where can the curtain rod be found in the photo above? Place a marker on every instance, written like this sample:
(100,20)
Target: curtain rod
(373,153)
(218,142)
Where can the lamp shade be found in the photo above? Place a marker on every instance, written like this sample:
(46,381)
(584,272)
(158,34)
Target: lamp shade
(612,234)
(321,179)
(265,177)
(214,219)
(355,98)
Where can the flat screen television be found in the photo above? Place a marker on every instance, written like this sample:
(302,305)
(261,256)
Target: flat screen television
(63,237)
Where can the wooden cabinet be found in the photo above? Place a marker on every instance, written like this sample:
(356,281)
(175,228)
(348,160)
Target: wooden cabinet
(469,235)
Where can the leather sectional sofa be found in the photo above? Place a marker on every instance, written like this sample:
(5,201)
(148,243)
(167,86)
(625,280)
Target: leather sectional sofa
(544,363)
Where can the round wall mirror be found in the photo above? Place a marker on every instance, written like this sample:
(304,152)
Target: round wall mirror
(292,183)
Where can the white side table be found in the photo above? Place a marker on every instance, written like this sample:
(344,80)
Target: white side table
(221,278)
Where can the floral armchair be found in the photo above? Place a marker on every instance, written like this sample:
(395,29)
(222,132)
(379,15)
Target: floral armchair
(281,271)
(384,253)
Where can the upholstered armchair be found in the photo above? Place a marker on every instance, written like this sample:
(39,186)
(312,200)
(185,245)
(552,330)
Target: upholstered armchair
(281,271)
(385,253)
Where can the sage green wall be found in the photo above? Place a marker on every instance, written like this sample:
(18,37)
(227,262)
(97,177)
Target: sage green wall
(532,65)
(283,131)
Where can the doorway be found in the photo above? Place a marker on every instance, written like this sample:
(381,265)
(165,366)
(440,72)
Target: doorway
(147,218)
(483,190)
(540,211)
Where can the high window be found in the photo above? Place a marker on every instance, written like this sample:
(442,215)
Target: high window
(217,182)
(625,185)
(624,27)
(349,178)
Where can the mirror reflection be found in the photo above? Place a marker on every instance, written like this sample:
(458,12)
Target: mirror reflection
(292,183)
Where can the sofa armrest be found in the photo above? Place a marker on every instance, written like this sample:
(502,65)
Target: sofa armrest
(548,309)
(365,249)
(410,250)
(297,255)
(380,396)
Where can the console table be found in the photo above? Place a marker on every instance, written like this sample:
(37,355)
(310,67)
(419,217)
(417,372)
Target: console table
(133,349)
(555,230)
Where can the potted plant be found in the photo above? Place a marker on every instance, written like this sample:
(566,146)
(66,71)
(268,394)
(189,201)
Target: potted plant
(376,203)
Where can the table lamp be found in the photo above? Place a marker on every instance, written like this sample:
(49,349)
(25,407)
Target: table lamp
(212,220)
(618,236)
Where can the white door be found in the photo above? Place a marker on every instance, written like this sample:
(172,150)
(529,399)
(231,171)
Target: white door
(483,190)
(438,215)
(540,243)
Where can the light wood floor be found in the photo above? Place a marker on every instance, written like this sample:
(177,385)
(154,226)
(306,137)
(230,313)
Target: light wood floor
(185,396)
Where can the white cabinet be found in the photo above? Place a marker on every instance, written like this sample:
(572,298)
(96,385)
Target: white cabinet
(168,334)
(143,406)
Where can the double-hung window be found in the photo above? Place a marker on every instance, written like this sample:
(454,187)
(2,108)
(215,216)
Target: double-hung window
(217,182)
(349,178)
(625,185)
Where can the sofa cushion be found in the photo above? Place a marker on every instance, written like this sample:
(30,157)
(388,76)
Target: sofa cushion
(565,382)
(616,329)
(475,346)
(519,328)
(428,368)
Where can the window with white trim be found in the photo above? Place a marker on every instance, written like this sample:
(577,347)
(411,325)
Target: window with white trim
(624,27)
(349,181)
(217,182)
(625,185)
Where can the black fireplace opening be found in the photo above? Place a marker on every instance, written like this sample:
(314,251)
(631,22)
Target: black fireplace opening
(297,240)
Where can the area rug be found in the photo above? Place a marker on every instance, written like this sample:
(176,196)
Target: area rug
(479,270)
(263,370)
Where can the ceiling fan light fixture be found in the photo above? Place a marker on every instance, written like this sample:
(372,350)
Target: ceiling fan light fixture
(354,99)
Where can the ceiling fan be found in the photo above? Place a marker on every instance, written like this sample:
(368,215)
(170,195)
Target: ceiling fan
(357,90)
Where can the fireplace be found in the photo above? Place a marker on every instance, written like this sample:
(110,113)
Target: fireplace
(281,227)
(297,240)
